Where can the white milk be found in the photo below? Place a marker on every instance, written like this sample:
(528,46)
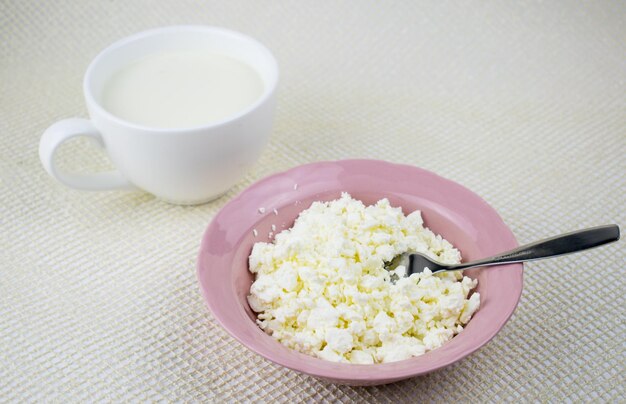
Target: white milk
(181,89)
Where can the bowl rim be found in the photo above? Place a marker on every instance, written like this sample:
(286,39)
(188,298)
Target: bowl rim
(340,372)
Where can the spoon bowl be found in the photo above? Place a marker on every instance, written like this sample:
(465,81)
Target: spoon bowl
(449,209)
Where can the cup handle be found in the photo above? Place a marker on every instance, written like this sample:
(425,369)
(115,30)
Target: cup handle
(67,129)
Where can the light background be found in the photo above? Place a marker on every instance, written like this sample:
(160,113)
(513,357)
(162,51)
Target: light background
(522,102)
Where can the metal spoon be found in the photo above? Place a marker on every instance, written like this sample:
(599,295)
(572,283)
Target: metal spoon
(551,247)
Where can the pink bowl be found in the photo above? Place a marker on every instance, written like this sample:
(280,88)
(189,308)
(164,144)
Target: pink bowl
(449,209)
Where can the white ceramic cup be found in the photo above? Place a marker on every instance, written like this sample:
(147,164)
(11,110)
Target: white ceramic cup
(186,166)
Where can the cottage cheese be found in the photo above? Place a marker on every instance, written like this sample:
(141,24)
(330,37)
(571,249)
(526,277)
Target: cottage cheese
(321,287)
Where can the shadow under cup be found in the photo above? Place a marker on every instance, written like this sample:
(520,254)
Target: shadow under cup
(187,165)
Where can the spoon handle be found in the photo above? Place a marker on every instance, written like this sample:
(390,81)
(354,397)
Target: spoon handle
(551,247)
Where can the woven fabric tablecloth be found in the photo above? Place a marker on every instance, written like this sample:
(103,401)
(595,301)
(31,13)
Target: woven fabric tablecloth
(524,103)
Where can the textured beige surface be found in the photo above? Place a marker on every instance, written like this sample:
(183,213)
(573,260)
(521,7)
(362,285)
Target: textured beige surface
(524,103)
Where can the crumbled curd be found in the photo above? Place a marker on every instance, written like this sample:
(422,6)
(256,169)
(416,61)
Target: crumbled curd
(321,287)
